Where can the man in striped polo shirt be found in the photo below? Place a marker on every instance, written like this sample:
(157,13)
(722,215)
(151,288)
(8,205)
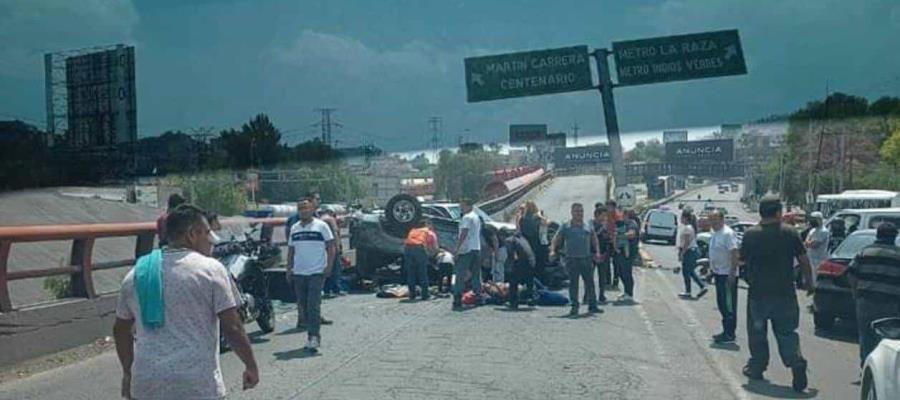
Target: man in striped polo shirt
(875,278)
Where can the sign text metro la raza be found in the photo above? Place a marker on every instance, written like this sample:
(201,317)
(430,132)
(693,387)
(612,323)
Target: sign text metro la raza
(700,150)
(681,57)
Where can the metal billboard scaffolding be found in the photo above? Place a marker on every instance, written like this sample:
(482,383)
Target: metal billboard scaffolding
(90,95)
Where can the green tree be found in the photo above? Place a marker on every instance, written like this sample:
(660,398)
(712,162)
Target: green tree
(890,150)
(649,151)
(463,175)
(255,145)
(420,162)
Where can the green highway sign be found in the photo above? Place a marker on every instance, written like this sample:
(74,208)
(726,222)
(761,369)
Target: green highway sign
(678,58)
(528,73)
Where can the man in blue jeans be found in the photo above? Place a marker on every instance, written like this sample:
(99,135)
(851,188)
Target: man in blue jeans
(468,254)
(723,259)
(311,252)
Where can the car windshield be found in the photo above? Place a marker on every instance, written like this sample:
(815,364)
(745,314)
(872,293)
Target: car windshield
(662,218)
(851,246)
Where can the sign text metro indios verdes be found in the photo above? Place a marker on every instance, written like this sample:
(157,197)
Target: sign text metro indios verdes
(681,57)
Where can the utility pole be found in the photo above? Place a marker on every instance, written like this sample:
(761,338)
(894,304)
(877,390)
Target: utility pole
(609,113)
(435,123)
(575,133)
(326,123)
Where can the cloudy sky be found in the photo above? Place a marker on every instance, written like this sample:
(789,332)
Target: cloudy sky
(389,65)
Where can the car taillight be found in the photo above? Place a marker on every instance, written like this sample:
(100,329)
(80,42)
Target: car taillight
(832,268)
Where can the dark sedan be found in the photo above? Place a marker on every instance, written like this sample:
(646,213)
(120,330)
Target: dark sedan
(833,298)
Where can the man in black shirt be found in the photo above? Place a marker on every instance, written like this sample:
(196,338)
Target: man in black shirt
(520,258)
(769,250)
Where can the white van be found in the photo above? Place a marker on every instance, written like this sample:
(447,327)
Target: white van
(865,218)
(660,225)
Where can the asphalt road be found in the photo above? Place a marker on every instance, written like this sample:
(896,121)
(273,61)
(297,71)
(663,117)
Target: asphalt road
(833,356)
(658,348)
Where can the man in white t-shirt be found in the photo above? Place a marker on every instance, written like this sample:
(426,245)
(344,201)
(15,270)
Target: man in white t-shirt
(724,255)
(311,253)
(468,253)
(175,353)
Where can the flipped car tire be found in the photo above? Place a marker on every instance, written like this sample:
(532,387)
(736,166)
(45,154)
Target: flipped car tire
(403,210)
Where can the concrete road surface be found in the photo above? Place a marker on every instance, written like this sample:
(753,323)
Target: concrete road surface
(658,348)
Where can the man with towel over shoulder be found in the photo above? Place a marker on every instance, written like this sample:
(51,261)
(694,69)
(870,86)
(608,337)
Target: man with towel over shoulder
(175,299)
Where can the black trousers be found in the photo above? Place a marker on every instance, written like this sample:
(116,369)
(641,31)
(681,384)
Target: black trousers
(524,274)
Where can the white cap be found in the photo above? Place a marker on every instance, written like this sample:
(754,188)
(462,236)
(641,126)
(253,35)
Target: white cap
(817,215)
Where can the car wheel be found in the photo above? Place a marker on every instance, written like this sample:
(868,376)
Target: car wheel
(868,388)
(403,210)
(823,320)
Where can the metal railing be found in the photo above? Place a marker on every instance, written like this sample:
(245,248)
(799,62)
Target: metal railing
(81,266)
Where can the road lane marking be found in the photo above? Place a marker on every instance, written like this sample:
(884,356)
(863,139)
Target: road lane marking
(699,337)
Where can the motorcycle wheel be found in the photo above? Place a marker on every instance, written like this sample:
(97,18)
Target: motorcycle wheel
(266,319)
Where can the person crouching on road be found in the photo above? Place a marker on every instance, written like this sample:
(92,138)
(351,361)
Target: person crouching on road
(311,252)
(580,243)
(419,246)
(875,278)
(468,254)
(723,260)
(176,300)
(445,270)
(521,261)
(604,241)
(769,251)
(688,253)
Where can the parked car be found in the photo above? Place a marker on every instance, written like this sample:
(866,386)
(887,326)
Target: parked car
(832,298)
(660,225)
(881,371)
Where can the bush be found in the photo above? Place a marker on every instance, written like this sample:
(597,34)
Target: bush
(58,287)
(219,192)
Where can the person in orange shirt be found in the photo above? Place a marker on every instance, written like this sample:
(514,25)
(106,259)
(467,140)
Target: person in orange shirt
(419,246)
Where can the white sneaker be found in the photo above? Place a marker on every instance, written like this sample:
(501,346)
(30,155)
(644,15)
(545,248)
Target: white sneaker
(312,343)
(624,297)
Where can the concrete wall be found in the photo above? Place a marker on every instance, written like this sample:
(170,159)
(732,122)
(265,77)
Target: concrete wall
(41,330)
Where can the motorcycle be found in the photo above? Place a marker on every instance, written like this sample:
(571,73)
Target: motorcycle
(246,261)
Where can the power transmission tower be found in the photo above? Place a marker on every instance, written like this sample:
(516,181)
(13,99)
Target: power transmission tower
(326,123)
(575,132)
(435,123)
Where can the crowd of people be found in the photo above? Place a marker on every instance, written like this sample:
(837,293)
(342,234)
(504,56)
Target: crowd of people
(179,295)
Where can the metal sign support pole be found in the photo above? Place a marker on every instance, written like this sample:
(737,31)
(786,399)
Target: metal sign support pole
(609,113)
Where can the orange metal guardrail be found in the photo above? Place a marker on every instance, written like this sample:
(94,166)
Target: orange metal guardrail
(81,266)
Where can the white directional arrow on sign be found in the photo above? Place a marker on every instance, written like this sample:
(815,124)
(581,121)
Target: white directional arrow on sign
(730,51)
(477,79)
(625,196)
